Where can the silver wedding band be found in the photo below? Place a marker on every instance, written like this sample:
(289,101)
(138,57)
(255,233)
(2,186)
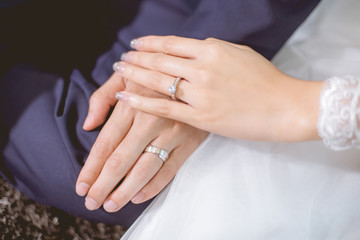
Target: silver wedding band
(172,88)
(161,153)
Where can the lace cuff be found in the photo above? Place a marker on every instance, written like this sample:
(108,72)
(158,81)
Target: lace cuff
(339,117)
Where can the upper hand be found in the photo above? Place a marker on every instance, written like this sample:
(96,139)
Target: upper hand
(227,89)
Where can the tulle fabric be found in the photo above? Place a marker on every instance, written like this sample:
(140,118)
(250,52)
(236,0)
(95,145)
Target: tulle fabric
(233,189)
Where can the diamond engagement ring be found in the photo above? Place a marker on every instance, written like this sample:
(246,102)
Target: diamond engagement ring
(172,88)
(161,153)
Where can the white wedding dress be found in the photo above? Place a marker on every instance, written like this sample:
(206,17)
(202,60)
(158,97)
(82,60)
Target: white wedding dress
(233,189)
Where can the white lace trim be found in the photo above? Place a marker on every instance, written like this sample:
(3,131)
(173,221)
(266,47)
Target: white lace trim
(339,117)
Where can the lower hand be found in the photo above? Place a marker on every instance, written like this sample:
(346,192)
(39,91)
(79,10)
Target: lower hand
(118,150)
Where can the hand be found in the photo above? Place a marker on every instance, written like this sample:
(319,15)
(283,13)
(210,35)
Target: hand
(118,150)
(227,89)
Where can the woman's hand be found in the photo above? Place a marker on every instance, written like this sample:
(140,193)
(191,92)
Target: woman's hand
(118,151)
(227,89)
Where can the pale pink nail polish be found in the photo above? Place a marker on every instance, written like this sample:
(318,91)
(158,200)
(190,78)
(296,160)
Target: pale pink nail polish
(82,188)
(110,206)
(121,96)
(133,43)
(116,66)
(138,197)
(136,43)
(122,58)
(119,67)
(90,203)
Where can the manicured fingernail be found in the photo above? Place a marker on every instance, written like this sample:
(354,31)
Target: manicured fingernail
(121,96)
(138,197)
(110,206)
(136,43)
(133,43)
(90,203)
(119,67)
(122,58)
(88,121)
(82,188)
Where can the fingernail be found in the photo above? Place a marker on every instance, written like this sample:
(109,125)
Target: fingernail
(138,197)
(133,43)
(90,203)
(119,67)
(136,43)
(88,121)
(82,188)
(122,58)
(110,206)
(121,96)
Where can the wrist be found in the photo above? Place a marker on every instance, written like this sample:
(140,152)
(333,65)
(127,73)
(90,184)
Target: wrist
(303,110)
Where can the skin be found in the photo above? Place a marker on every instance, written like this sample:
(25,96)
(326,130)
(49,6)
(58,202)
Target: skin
(118,150)
(226,89)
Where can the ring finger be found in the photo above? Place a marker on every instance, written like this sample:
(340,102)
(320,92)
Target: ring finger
(143,171)
(153,80)
(117,165)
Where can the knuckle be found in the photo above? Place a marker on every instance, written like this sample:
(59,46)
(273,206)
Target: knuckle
(206,117)
(158,61)
(128,72)
(96,96)
(100,97)
(123,110)
(142,173)
(209,39)
(102,147)
(213,50)
(168,44)
(124,197)
(97,192)
(88,174)
(203,74)
(164,109)
(147,122)
(116,164)
(247,47)
(178,128)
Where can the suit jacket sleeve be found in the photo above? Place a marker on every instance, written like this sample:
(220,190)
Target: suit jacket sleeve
(264,25)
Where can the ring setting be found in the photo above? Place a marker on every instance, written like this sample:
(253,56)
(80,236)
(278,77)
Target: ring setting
(172,88)
(161,153)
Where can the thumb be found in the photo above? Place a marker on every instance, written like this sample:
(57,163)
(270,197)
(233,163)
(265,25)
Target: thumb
(102,100)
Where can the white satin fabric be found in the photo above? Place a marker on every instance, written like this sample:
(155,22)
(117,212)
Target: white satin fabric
(232,189)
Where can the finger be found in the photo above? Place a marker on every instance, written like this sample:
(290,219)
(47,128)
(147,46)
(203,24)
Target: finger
(153,80)
(104,145)
(159,107)
(102,100)
(142,172)
(170,65)
(162,178)
(172,45)
(176,159)
(145,168)
(119,164)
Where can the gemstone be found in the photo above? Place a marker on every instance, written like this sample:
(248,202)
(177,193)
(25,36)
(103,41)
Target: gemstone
(172,89)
